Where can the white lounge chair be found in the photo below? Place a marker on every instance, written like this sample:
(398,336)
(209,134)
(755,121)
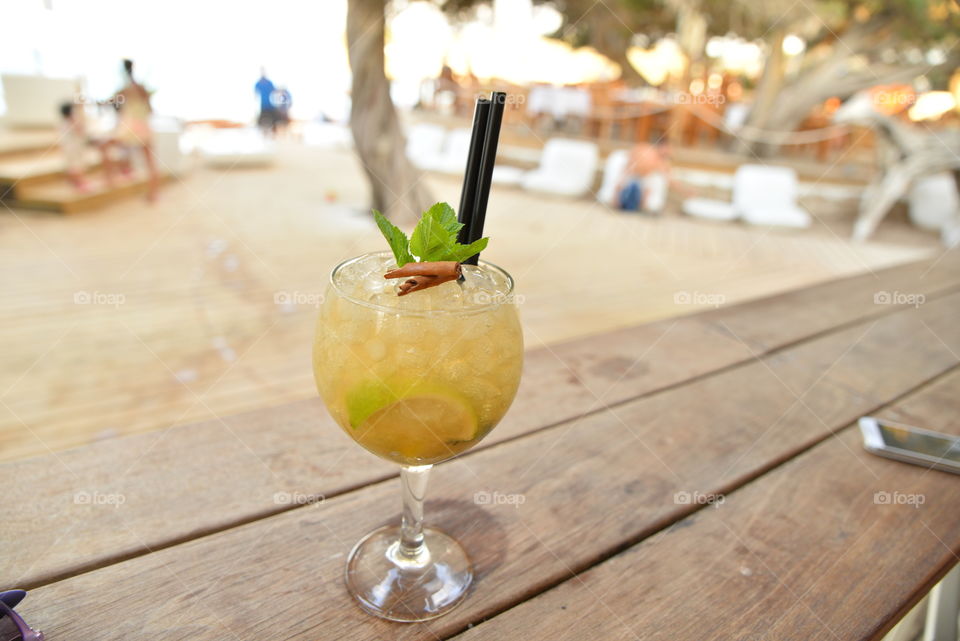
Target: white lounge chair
(768,196)
(655,188)
(452,158)
(612,171)
(424,144)
(761,196)
(507,176)
(567,168)
(933,201)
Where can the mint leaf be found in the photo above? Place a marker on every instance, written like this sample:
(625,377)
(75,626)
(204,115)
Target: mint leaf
(395,236)
(436,234)
(434,238)
(460,252)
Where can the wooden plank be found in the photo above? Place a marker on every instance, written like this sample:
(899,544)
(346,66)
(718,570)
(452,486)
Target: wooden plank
(61,196)
(590,488)
(834,304)
(19,142)
(35,168)
(818,549)
(298,448)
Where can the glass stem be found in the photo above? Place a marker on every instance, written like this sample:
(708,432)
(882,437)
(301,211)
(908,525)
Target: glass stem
(413,482)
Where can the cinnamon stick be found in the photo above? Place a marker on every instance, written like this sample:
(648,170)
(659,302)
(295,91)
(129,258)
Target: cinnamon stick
(423,275)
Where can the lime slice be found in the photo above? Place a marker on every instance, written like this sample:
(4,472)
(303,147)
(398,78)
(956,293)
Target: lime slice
(367,398)
(420,426)
(410,417)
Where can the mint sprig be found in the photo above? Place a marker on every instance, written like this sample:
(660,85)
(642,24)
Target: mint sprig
(395,236)
(433,239)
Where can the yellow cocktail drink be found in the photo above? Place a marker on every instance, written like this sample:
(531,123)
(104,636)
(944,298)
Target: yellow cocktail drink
(417,379)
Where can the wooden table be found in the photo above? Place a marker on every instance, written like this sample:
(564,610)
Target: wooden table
(238,528)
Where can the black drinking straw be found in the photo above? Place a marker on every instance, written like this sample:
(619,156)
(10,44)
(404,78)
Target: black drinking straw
(468,194)
(485,176)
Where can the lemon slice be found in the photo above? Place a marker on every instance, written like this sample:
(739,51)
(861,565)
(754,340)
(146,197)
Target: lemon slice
(420,426)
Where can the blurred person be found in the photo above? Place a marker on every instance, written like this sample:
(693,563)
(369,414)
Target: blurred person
(74,141)
(281,100)
(446,89)
(267,120)
(645,181)
(133,127)
(446,81)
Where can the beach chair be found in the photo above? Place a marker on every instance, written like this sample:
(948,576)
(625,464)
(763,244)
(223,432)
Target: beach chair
(761,196)
(507,176)
(452,158)
(768,196)
(933,201)
(612,171)
(567,168)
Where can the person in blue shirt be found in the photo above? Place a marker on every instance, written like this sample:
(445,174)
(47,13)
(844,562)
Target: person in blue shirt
(269,115)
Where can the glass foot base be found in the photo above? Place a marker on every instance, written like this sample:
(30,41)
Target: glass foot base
(390,586)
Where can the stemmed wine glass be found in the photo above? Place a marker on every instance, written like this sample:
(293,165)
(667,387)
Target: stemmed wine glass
(415,380)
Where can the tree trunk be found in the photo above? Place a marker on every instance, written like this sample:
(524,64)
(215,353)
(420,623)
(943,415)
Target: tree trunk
(396,186)
(765,97)
(692,32)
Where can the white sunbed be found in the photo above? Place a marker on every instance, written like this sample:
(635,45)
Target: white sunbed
(612,171)
(768,196)
(567,168)
(761,196)
(452,158)
(507,176)
(933,201)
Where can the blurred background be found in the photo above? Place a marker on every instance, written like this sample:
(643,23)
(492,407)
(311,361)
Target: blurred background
(177,179)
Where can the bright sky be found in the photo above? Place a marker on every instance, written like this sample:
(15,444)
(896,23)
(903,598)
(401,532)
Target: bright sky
(201,58)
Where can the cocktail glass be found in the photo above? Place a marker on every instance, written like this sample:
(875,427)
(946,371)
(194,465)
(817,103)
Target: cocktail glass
(416,380)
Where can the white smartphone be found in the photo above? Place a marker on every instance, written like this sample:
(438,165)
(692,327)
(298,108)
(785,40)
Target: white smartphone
(911,444)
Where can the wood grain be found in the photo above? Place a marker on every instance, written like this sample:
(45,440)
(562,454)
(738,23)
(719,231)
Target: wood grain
(806,552)
(173,490)
(591,488)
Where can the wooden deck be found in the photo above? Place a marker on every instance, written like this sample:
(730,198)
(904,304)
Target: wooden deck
(36,180)
(609,441)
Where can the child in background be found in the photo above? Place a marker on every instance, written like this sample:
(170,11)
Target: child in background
(74,141)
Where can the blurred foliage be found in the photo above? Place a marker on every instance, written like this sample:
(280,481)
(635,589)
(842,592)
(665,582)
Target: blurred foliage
(900,30)
(917,21)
